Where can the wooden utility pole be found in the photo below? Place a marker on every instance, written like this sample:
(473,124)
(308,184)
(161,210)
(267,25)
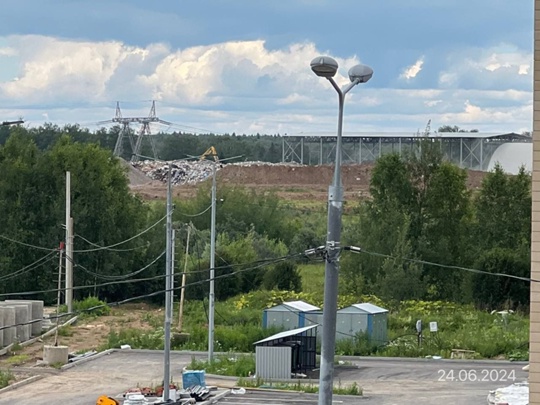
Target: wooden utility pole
(183,289)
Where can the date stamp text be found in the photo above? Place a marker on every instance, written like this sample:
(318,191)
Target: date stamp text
(475,375)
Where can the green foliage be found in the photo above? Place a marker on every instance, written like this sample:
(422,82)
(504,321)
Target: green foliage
(229,364)
(91,307)
(6,377)
(300,386)
(137,339)
(501,292)
(18,359)
(284,276)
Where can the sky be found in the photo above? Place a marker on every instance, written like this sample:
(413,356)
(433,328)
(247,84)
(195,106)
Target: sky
(243,66)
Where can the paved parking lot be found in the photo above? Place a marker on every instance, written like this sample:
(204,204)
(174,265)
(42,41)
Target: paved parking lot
(384,381)
(282,398)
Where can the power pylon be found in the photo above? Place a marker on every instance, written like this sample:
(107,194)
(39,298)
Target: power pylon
(135,140)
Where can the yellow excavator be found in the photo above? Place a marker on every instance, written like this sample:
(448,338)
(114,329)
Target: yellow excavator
(212,152)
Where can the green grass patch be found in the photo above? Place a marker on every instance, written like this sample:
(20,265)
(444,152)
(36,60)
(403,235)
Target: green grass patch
(229,364)
(18,359)
(5,378)
(312,278)
(300,386)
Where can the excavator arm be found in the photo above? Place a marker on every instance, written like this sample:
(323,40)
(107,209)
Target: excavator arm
(210,152)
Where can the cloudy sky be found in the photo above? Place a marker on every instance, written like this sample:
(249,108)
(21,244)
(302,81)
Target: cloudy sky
(243,65)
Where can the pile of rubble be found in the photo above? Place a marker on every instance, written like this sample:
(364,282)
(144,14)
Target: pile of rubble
(182,171)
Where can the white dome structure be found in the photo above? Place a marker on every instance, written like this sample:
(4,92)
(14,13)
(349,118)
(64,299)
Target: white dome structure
(511,156)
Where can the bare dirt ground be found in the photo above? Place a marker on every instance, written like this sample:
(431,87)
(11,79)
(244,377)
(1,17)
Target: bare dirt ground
(293,182)
(85,335)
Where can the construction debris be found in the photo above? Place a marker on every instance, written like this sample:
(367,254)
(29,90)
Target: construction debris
(182,171)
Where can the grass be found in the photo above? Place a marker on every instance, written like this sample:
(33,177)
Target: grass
(230,365)
(312,278)
(239,319)
(18,359)
(299,386)
(5,378)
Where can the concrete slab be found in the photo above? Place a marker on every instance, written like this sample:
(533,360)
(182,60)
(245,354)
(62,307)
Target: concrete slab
(36,314)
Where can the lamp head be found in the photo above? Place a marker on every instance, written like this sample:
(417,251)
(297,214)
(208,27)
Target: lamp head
(360,73)
(324,66)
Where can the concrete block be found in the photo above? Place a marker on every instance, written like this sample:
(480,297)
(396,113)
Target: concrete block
(55,354)
(36,314)
(22,316)
(7,314)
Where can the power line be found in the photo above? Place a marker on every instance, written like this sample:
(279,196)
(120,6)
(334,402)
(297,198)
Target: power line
(111,249)
(140,297)
(119,277)
(124,241)
(447,266)
(197,215)
(45,259)
(26,244)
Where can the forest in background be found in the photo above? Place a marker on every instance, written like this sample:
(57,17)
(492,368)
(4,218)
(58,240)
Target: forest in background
(421,232)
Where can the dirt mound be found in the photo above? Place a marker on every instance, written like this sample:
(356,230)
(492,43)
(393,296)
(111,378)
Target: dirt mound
(292,181)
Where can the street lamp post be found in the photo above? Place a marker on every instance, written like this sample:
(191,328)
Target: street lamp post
(327,67)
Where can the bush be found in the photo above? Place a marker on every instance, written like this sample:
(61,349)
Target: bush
(91,306)
(5,378)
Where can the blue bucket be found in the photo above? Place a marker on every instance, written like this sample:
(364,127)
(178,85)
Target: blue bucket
(193,377)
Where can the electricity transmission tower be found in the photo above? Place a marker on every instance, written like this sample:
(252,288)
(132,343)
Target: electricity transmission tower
(135,140)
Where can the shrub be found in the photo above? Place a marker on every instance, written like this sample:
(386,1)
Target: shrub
(5,378)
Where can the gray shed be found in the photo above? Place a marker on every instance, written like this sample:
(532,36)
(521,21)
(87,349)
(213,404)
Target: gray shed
(286,353)
(289,315)
(364,317)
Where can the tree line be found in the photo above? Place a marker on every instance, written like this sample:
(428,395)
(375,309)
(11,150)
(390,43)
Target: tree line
(420,217)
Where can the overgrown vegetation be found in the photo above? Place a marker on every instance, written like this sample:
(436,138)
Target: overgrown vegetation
(5,378)
(300,386)
(231,365)
(419,232)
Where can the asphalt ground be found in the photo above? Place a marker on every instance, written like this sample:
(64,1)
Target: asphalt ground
(384,381)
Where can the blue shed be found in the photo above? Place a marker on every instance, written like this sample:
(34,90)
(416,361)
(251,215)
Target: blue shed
(364,317)
(289,315)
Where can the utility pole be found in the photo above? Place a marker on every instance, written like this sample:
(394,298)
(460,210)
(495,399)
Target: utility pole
(183,289)
(212,265)
(60,251)
(173,249)
(69,246)
(168,293)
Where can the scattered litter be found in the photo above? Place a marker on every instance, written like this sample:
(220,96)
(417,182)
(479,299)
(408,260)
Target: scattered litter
(198,392)
(73,357)
(515,394)
(125,347)
(436,357)
(238,391)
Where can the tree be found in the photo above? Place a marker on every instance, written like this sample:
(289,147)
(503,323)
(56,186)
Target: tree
(503,210)
(496,292)
(284,276)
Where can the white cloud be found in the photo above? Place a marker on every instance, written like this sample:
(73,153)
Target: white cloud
(8,51)
(412,71)
(497,67)
(247,87)
(432,103)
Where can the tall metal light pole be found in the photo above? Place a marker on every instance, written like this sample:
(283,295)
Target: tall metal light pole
(168,291)
(211,297)
(327,67)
